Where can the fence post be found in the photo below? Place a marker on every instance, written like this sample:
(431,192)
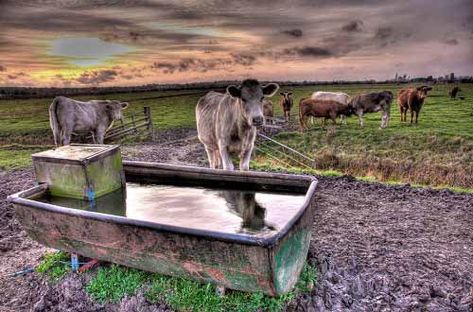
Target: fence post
(147,111)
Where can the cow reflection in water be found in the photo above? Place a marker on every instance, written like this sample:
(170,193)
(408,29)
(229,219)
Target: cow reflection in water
(244,204)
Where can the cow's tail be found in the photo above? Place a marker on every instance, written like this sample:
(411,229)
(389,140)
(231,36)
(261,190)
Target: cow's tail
(53,122)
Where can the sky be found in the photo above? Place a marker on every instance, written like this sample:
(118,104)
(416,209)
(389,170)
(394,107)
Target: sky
(74,43)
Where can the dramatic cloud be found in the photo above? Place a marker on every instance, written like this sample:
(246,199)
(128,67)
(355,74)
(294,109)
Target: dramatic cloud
(451,41)
(81,43)
(97,77)
(309,51)
(293,32)
(353,26)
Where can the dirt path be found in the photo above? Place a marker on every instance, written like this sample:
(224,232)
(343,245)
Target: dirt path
(377,247)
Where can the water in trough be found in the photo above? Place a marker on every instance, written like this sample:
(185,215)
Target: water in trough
(219,210)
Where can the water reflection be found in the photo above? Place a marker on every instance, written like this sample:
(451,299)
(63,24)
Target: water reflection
(229,211)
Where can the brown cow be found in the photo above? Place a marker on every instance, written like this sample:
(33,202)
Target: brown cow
(322,108)
(286,103)
(412,99)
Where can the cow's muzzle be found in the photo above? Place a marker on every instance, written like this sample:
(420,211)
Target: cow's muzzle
(257,121)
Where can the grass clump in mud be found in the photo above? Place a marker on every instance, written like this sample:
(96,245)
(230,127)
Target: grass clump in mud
(186,295)
(114,282)
(54,264)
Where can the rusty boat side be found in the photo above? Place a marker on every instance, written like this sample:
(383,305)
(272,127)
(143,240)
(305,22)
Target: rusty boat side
(269,264)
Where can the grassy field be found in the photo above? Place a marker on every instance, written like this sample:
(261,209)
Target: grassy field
(437,151)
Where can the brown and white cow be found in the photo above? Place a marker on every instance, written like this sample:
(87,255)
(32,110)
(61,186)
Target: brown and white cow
(286,102)
(322,108)
(226,123)
(340,97)
(373,102)
(412,99)
(67,116)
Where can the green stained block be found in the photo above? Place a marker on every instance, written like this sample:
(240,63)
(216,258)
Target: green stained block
(80,171)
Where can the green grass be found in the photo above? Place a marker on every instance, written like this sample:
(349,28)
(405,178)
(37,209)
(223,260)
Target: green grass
(111,284)
(17,156)
(54,264)
(437,152)
(114,282)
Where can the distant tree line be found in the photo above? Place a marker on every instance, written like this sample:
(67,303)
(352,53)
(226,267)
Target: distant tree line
(30,92)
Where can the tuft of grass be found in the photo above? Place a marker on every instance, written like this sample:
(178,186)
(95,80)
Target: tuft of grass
(307,279)
(54,264)
(187,295)
(114,282)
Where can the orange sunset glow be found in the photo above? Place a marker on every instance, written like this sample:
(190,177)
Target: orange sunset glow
(105,43)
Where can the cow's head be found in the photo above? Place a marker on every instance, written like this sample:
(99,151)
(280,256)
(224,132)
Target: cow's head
(388,96)
(251,95)
(114,109)
(286,103)
(422,91)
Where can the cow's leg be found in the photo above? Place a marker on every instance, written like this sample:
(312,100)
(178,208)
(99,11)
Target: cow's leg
(417,115)
(333,116)
(99,134)
(211,158)
(412,115)
(66,136)
(225,156)
(384,120)
(218,161)
(360,119)
(343,119)
(245,157)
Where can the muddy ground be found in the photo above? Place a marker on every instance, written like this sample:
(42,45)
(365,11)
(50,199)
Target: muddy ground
(377,247)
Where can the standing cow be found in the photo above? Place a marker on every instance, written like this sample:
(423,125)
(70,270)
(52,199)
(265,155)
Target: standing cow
(339,97)
(373,102)
(67,116)
(226,123)
(412,99)
(286,103)
(322,108)
(453,92)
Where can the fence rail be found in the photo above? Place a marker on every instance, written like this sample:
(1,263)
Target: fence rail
(133,126)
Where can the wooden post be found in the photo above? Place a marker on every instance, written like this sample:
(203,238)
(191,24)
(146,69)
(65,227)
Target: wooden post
(147,112)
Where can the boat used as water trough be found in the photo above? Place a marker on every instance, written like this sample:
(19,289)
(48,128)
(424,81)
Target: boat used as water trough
(247,231)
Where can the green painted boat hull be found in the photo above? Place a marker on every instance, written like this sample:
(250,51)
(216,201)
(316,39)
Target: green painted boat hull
(270,265)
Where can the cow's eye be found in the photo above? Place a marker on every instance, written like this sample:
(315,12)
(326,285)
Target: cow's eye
(262,98)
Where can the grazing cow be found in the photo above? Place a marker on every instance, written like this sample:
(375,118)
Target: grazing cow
(412,99)
(373,102)
(268,108)
(226,123)
(334,96)
(453,92)
(286,103)
(322,108)
(67,115)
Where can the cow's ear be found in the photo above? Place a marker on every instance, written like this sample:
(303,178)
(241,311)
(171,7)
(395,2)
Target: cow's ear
(419,88)
(270,89)
(234,91)
(282,93)
(124,105)
(289,93)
